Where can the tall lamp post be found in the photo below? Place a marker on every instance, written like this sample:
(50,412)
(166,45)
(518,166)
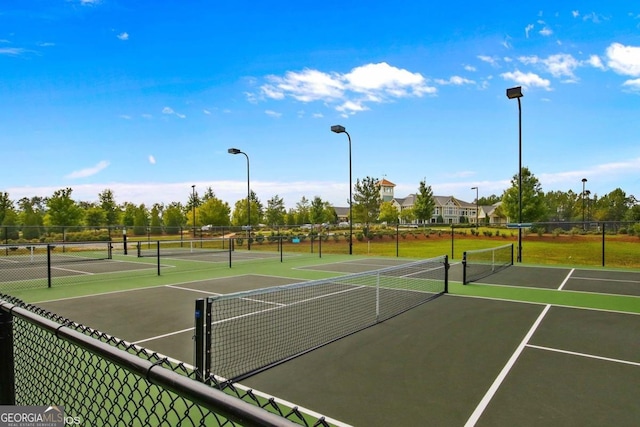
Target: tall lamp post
(584,181)
(516,92)
(476,188)
(341,129)
(193,208)
(237,151)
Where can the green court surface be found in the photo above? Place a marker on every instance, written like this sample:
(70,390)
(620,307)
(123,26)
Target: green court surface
(528,345)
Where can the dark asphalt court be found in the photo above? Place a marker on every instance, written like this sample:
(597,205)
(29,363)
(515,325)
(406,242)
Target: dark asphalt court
(429,366)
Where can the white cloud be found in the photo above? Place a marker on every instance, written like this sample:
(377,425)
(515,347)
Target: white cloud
(306,86)
(559,65)
(455,80)
(370,83)
(123,36)
(546,31)
(470,68)
(387,79)
(596,62)
(170,111)
(207,112)
(488,59)
(152,159)
(89,2)
(12,51)
(633,85)
(272,113)
(592,17)
(125,116)
(527,29)
(624,59)
(527,79)
(605,171)
(575,13)
(83,173)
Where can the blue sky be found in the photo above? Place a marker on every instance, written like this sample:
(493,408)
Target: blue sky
(146,97)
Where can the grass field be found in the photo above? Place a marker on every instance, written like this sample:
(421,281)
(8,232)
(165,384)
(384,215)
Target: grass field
(582,250)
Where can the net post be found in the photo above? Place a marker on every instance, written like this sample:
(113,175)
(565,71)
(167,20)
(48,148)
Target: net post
(512,254)
(158,255)
(230,245)
(446,274)
(377,297)
(199,339)
(320,244)
(281,248)
(464,265)
(139,248)
(109,249)
(7,367)
(49,265)
(207,341)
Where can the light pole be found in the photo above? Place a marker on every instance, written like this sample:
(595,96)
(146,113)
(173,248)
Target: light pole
(588,194)
(584,181)
(516,92)
(237,151)
(341,129)
(193,208)
(476,188)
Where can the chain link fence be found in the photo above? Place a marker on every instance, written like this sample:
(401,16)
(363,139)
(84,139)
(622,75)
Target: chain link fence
(101,380)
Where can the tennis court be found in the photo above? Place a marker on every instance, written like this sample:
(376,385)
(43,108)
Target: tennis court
(452,361)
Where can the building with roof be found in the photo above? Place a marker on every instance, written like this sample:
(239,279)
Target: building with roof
(447,210)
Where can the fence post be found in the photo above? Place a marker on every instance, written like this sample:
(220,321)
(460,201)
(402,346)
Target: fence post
(49,249)
(604,224)
(7,377)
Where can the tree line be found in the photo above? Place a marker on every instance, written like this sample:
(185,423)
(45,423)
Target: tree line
(60,209)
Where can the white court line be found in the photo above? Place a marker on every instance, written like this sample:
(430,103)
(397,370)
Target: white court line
(566,279)
(191,290)
(477,413)
(163,336)
(606,280)
(590,356)
(87,273)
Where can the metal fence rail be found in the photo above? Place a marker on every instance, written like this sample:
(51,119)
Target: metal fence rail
(101,380)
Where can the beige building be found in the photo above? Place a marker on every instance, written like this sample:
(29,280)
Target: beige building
(448,209)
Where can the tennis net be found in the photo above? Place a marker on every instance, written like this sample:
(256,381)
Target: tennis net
(484,262)
(14,255)
(177,248)
(255,330)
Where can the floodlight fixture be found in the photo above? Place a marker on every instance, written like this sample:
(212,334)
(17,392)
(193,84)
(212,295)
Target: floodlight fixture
(514,92)
(338,129)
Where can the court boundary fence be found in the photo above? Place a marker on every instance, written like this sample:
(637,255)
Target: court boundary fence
(82,366)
